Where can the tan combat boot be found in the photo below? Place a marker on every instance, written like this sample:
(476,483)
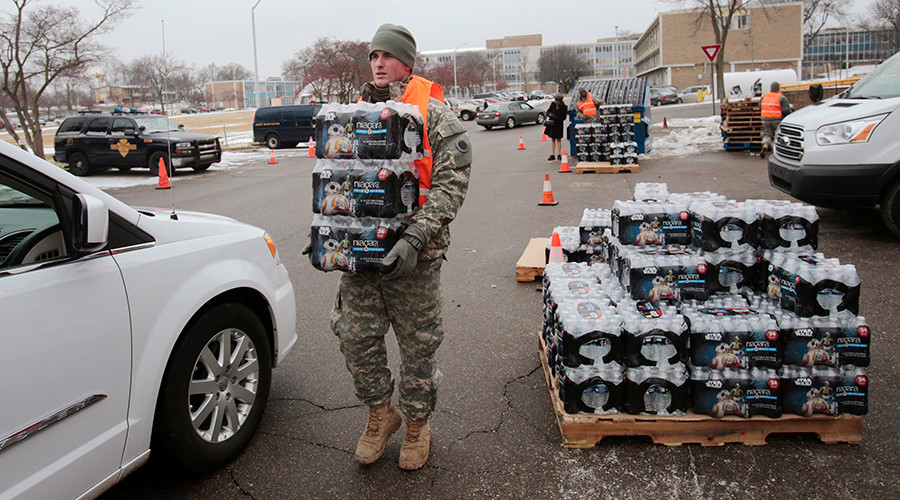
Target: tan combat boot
(416,444)
(384,420)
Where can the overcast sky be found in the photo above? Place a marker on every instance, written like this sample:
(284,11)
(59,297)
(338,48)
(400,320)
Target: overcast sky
(200,32)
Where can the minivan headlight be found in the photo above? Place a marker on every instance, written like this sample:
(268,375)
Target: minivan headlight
(847,132)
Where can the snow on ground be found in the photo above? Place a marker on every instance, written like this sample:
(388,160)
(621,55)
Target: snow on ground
(684,136)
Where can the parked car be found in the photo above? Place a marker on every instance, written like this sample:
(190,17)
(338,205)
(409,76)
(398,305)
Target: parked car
(285,126)
(136,334)
(466,110)
(509,114)
(91,142)
(842,152)
(692,94)
(658,97)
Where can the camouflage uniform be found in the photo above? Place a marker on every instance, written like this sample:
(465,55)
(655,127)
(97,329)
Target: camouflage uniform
(366,305)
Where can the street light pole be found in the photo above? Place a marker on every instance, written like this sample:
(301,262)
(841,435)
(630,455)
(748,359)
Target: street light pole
(616,53)
(455,87)
(255,62)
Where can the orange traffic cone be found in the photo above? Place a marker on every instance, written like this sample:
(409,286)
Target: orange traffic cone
(272,160)
(556,251)
(564,166)
(163,176)
(311,152)
(521,143)
(543,136)
(547,198)
(665,125)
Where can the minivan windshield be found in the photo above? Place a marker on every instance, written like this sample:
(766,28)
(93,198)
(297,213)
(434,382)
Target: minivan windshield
(156,124)
(882,83)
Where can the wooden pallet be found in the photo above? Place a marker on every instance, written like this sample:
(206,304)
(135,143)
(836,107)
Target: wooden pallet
(530,265)
(603,167)
(586,431)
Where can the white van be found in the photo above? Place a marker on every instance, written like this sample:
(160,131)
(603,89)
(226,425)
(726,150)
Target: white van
(843,152)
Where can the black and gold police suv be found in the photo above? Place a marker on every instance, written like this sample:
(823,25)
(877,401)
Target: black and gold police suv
(91,142)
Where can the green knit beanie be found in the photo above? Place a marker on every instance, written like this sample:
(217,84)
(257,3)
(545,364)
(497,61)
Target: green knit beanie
(395,40)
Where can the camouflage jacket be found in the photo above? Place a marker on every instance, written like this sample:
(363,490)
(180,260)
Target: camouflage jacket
(451,152)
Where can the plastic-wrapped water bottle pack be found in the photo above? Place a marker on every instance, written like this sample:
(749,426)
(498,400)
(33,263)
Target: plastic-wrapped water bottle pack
(727,294)
(386,130)
(651,191)
(365,188)
(351,244)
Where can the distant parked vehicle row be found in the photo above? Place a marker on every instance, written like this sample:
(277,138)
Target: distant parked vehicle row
(509,114)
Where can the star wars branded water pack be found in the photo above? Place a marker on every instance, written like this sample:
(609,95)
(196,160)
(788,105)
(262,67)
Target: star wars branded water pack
(731,272)
(672,273)
(593,222)
(810,285)
(365,188)
(825,390)
(351,244)
(651,223)
(590,334)
(787,225)
(654,341)
(591,389)
(386,130)
(737,393)
(726,337)
(825,341)
(651,191)
(657,391)
(724,224)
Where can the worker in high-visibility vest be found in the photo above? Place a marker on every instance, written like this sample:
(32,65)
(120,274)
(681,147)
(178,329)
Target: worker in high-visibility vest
(587,106)
(773,107)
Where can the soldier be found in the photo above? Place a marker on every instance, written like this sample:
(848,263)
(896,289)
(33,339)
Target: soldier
(408,297)
(774,106)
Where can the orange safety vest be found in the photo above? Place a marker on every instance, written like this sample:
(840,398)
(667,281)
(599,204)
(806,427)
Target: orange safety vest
(587,107)
(418,92)
(770,105)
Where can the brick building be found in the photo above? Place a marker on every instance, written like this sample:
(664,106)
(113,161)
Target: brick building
(759,38)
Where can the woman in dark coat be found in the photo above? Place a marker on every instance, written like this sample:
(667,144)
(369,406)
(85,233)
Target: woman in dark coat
(558,113)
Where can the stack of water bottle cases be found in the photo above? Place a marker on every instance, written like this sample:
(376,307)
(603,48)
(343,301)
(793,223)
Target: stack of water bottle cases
(365,183)
(609,138)
(671,303)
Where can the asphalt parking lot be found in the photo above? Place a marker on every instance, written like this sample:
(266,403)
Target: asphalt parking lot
(494,431)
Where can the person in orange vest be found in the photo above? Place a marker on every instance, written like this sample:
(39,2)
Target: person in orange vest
(587,106)
(408,297)
(773,107)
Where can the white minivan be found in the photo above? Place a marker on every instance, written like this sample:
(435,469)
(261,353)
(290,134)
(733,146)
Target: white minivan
(127,332)
(843,152)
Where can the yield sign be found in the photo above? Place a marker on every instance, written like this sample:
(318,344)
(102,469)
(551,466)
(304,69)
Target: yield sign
(711,51)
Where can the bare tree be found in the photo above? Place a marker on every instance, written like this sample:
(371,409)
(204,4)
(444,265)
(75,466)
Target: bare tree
(473,71)
(41,43)
(154,72)
(885,14)
(334,68)
(563,66)
(819,13)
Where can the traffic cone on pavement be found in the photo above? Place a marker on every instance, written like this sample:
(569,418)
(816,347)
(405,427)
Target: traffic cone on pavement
(521,143)
(547,197)
(665,125)
(272,160)
(564,166)
(311,152)
(556,251)
(544,136)
(163,176)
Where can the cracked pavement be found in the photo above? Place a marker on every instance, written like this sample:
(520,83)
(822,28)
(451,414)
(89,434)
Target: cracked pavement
(494,431)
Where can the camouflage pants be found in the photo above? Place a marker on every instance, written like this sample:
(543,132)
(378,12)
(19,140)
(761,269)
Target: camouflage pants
(364,309)
(767,131)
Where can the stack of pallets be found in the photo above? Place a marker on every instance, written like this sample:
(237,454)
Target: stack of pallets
(741,124)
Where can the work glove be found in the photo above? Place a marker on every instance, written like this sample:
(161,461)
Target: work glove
(307,250)
(405,253)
